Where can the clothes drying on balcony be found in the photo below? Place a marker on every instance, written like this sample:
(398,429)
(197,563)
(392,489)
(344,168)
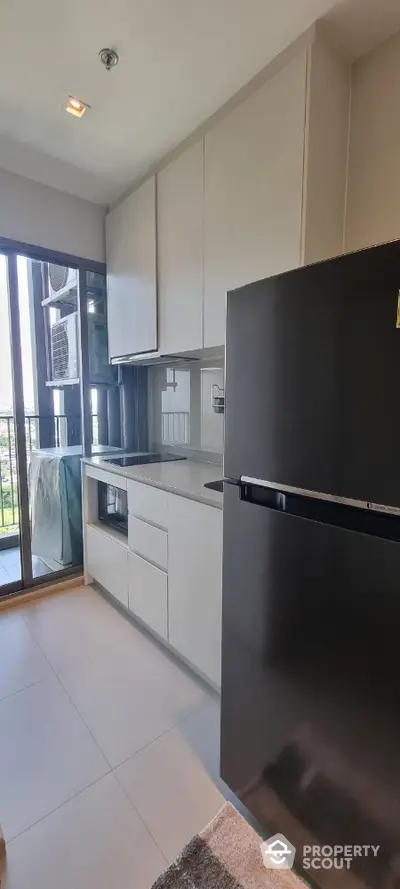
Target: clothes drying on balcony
(56,504)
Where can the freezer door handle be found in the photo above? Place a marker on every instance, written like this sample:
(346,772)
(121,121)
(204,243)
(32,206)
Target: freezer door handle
(269,497)
(384,508)
(328,512)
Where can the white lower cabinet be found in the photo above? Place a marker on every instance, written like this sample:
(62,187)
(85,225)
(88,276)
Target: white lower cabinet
(148,594)
(168,572)
(149,542)
(147,503)
(107,562)
(195,583)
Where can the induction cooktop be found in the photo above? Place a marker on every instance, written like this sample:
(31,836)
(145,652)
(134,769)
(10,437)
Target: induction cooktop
(139,459)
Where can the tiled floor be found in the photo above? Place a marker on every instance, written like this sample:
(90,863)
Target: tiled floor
(10,565)
(108,748)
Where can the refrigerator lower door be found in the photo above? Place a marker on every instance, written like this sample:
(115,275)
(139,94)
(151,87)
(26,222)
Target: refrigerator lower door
(310,689)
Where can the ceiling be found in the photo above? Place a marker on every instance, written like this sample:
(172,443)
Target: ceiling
(180,60)
(357,26)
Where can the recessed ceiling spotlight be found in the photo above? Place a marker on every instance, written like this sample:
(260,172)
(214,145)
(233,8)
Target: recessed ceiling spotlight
(76,107)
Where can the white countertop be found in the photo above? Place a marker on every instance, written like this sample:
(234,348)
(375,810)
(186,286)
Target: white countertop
(183,477)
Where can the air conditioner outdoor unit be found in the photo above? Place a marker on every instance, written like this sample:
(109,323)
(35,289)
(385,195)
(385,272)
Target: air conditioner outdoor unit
(64,348)
(61,280)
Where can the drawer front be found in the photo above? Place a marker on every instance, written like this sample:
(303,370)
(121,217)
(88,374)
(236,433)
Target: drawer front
(148,594)
(147,503)
(107,562)
(148,541)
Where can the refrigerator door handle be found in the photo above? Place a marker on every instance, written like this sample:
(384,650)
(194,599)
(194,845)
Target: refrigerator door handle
(269,497)
(328,511)
(383,508)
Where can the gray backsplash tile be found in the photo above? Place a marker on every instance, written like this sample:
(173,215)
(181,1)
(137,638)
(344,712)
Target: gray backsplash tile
(181,413)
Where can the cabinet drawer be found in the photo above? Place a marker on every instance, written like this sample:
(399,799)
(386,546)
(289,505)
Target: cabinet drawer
(148,541)
(147,503)
(107,562)
(148,594)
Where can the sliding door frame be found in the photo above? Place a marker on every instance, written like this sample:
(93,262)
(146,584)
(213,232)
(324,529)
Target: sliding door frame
(11,250)
(19,419)
(19,248)
(86,424)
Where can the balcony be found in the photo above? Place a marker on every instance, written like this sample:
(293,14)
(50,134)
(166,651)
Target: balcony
(56,431)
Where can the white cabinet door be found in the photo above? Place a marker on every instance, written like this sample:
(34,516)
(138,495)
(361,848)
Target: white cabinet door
(148,594)
(253,191)
(180,252)
(195,583)
(107,562)
(131,273)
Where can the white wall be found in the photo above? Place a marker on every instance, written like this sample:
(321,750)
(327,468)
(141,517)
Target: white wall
(45,217)
(373,197)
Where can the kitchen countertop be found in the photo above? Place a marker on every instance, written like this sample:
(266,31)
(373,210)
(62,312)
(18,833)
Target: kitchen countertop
(183,477)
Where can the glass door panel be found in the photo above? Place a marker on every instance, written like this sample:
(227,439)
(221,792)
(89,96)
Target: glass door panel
(100,392)
(59,398)
(10,551)
(48,312)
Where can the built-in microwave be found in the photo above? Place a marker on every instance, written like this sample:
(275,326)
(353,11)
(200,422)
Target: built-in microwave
(113,507)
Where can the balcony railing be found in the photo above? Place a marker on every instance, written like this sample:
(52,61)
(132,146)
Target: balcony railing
(57,430)
(175,427)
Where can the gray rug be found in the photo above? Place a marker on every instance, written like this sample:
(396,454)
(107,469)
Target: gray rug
(226,855)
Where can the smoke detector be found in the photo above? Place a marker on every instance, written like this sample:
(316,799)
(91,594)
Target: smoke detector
(109,58)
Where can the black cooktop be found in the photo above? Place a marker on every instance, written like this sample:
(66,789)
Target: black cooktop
(139,459)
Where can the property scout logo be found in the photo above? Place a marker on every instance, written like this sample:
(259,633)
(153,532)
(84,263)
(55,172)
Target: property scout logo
(277,853)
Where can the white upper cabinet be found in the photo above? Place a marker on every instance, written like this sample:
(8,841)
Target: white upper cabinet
(373,199)
(180,252)
(262,192)
(131,273)
(253,191)
(326,152)
(275,178)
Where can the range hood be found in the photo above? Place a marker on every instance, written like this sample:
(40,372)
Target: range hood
(147,358)
(156,357)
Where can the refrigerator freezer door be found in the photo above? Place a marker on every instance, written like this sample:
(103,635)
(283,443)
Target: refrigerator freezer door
(310,692)
(313,375)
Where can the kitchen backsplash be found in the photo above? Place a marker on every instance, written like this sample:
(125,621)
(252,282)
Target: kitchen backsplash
(181,411)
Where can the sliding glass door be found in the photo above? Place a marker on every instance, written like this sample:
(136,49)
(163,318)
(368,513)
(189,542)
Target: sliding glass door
(14,526)
(54,391)
(10,553)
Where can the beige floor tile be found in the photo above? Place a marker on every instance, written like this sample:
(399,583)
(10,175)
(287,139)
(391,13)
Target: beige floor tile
(47,755)
(22,662)
(130,695)
(95,841)
(74,626)
(170,787)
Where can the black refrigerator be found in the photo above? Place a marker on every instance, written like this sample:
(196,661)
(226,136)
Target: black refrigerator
(310,726)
